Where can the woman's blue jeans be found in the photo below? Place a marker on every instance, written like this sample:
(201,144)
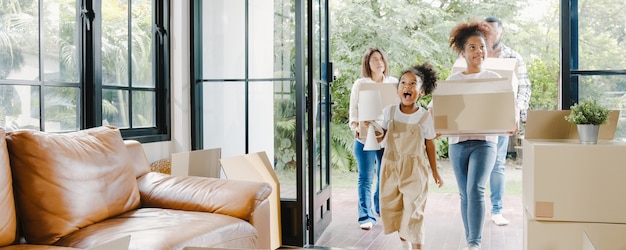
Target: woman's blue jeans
(472,162)
(369,168)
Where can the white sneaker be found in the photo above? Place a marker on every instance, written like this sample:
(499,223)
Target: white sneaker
(499,220)
(367,225)
(471,248)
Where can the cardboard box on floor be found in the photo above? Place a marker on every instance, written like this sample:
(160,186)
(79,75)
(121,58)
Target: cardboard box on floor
(205,163)
(388,95)
(564,180)
(257,167)
(117,244)
(475,106)
(558,235)
(506,67)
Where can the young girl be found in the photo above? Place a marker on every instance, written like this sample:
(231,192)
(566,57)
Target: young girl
(374,69)
(472,157)
(409,133)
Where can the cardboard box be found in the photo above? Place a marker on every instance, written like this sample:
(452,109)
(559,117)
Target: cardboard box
(571,235)
(205,163)
(388,95)
(551,124)
(117,244)
(477,106)
(257,167)
(587,244)
(506,67)
(564,180)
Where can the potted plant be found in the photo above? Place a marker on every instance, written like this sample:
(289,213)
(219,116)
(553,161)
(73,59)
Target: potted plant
(588,115)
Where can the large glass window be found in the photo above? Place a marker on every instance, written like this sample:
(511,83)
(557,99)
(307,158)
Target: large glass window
(66,65)
(245,56)
(594,67)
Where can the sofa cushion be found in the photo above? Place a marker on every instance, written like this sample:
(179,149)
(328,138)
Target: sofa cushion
(166,229)
(8,222)
(64,182)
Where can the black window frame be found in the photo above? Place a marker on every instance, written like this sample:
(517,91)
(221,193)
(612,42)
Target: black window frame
(89,83)
(570,71)
(92,115)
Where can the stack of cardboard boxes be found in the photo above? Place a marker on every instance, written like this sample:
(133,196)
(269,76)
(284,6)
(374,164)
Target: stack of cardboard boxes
(573,194)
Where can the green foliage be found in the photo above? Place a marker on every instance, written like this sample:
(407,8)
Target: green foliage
(441,144)
(284,133)
(409,32)
(588,112)
(544,78)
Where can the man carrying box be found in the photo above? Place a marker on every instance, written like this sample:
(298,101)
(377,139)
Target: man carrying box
(497,179)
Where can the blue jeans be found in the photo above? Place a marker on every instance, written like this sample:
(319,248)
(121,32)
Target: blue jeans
(472,162)
(497,180)
(368,162)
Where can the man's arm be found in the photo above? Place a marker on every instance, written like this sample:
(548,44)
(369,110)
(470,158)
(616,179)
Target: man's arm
(523,88)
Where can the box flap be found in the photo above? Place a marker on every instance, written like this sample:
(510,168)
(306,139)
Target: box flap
(506,67)
(205,163)
(551,124)
(117,244)
(473,86)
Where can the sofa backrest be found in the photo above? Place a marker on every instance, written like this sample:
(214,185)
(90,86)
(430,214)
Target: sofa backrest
(138,158)
(8,221)
(64,182)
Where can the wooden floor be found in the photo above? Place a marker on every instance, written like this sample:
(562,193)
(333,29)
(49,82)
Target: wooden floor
(444,228)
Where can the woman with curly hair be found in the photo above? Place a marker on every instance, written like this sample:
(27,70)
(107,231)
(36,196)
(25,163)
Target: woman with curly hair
(409,132)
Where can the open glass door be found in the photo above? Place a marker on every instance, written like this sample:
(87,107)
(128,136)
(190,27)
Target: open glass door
(319,110)
(261,76)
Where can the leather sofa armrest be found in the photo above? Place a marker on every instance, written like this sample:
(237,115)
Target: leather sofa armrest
(192,193)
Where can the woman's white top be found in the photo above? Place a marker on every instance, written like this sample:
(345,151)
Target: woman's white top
(460,76)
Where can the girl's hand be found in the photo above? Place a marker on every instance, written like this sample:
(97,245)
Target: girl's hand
(438,180)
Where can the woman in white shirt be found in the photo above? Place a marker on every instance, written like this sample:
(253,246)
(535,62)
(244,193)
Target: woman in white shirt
(374,69)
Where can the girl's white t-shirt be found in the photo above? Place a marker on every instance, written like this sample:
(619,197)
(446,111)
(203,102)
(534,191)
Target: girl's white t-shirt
(427,127)
(460,76)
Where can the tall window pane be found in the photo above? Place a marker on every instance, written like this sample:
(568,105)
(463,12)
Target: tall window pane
(223,39)
(59,41)
(277,18)
(19,107)
(115,108)
(224,117)
(19,49)
(602,34)
(115,43)
(61,109)
(142,54)
(143,109)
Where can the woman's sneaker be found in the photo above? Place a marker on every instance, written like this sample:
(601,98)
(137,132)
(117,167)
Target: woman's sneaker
(499,220)
(367,225)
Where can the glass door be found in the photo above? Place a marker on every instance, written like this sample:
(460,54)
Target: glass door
(319,111)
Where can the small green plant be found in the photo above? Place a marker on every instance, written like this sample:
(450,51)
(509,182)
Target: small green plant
(588,112)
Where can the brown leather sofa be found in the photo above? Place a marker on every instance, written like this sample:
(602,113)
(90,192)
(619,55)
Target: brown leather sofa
(80,189)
